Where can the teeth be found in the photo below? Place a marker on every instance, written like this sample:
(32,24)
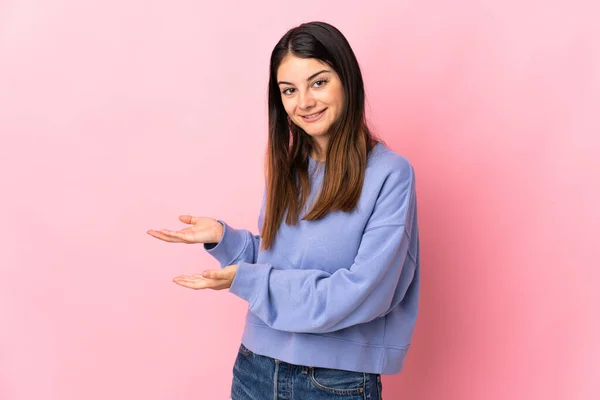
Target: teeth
(313,115)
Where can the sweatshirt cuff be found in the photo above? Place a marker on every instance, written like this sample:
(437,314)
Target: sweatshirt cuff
(249,280)
(231,245)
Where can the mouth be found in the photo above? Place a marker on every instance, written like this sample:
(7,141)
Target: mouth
(313,117)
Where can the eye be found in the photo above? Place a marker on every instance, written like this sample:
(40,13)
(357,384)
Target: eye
(320,82)
(286,91)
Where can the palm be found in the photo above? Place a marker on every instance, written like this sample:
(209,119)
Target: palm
(218,279)
(202,230)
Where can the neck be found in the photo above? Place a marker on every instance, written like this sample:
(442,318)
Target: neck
(320,148)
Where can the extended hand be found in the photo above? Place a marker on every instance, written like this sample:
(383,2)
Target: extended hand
(202,230)
(216,279)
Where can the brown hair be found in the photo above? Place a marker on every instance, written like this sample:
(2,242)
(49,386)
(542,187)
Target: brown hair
(288,149)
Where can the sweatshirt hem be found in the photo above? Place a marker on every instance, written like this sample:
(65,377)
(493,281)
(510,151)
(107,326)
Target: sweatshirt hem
(308,349)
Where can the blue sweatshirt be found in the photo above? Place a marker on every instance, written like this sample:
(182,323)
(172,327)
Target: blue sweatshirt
(341,292)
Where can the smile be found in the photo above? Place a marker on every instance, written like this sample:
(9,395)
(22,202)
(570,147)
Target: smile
(313,117)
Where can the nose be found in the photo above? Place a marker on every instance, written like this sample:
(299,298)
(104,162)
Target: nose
(306,101)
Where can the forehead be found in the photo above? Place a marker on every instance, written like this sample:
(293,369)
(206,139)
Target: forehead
(296,69)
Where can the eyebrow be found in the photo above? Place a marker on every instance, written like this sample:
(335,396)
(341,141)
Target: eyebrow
(308,79)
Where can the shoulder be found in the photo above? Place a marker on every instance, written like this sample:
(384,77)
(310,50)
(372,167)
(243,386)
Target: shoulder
(390,186)
(385,164)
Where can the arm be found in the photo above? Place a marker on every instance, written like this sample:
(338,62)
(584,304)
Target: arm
(236,245)
(316,301)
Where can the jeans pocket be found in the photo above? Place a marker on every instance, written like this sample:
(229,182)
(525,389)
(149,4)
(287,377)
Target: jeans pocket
(338,381)
(244,350)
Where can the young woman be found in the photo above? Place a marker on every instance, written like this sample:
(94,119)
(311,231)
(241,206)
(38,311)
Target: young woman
(332,279)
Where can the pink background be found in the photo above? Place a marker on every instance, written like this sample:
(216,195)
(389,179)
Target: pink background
(118,116)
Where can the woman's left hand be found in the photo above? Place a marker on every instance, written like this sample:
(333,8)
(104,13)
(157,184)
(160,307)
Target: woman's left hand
(216,279)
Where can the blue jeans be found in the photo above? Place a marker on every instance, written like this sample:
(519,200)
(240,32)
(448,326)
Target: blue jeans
(257,377)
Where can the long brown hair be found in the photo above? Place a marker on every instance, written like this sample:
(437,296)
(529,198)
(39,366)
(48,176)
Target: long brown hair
(289,147)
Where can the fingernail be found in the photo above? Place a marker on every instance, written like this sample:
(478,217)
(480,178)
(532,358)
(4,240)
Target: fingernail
(205,274)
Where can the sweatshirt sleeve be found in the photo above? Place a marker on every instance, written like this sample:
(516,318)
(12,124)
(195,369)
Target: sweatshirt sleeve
(236,245)
(315,301)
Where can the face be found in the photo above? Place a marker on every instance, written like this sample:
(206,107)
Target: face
(311,92)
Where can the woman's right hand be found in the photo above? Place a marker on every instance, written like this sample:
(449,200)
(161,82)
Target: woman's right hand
(203,230)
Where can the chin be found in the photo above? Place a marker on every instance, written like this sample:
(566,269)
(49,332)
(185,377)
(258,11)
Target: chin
(315,135)
(313,131)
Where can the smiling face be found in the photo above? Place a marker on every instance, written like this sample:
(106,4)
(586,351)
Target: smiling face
(312,95)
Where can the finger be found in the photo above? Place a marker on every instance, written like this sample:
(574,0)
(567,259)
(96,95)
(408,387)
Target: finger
(187,284)
(200,276)
(181,236)
(170,233)
(160,235)
(194,283)
(184,280)
(188,219)
(213,274)
(190,278)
